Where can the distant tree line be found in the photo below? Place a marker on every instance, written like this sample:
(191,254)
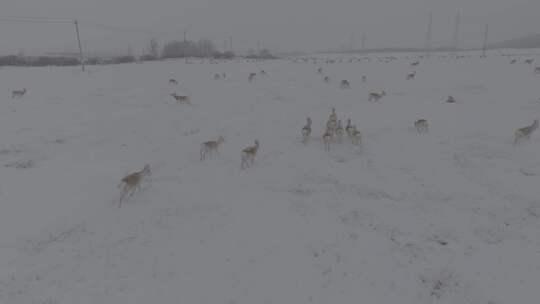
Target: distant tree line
(203,48)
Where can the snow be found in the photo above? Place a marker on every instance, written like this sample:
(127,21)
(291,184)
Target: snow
(451,216)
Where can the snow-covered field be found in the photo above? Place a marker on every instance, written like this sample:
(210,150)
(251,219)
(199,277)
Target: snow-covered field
(451,216)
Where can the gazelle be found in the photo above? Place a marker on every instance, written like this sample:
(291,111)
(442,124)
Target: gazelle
(133,182)
(345,84)
(326,79)
(319,70)
(18,93)
(348,127)
(306,131)
(525,132)
(327,139)
(211,146)
(252,77)
(333,115)
(181,98)
(416,63)
(356,136)
(364,79)
(513,61)
(411,76)
(373,96)
(537,70)
(529,61)
(339,131)
(248,155)
(173,81)
(421,126)
(217,76)
(451,99)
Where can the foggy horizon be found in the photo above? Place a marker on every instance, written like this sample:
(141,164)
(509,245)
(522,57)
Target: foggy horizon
(282,26)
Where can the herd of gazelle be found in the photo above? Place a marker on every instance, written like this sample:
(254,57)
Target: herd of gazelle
(334,131)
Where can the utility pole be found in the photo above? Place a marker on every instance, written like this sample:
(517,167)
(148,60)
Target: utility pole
(81,56)
(484,47)
(456,31)
(428,35)
(363,41)
(185,46)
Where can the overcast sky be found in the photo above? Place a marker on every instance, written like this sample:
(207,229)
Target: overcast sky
(284,25)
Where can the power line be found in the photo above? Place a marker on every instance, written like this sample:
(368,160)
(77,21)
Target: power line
(31,20)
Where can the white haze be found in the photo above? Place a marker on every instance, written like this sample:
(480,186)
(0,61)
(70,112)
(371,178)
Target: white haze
(281,25)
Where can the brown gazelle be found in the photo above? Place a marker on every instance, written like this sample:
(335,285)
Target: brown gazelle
(18,93)
(376,96)
(327,139)
(211,146)
(345,84)
(525,132)
(133,182)
(306,131)
(182,98)
(421,126)
(252,77)
(356,136)
(348,127)
(339,131)
(248,155)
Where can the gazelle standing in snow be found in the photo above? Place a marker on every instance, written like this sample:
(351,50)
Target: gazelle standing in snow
(18,93)
(525,132)
(348,128)
(345,84)
(373,96)
(182,98)
(339,131)
(248,155)
(327,139)
(356,136)
(306,131)
(421,126)
(211,146)
(251,77)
